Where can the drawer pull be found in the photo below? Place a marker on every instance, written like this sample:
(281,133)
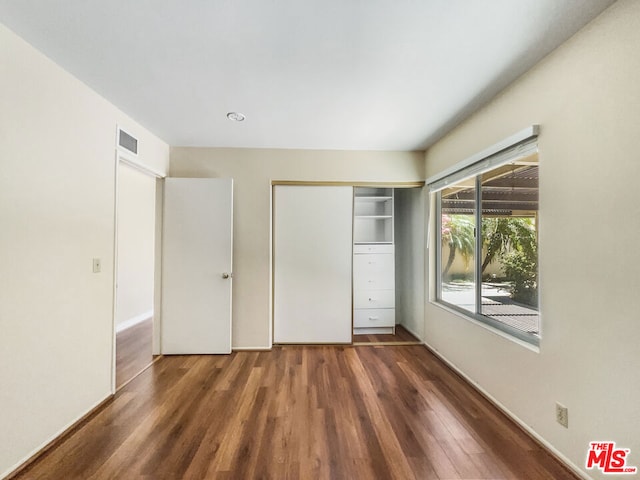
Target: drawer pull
(374,318)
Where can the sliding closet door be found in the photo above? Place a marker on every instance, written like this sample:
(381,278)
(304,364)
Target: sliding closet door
(312,264)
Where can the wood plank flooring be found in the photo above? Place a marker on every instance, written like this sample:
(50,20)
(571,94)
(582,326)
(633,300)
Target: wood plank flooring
(299,413)
(402,336)
(133,351)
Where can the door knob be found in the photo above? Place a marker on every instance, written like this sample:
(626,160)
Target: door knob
(227,275)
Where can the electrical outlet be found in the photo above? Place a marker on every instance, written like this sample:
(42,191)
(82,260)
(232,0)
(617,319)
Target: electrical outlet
(562,415)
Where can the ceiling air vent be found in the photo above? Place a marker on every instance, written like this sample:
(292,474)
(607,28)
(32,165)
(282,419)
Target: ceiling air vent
(127,142)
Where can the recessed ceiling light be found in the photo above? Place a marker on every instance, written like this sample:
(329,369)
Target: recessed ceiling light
(236,116)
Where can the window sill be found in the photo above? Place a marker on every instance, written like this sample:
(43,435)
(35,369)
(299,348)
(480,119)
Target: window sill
(501,333)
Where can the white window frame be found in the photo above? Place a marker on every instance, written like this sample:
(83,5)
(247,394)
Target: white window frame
(521,144)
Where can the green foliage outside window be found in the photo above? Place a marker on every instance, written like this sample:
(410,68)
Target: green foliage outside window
(510,240)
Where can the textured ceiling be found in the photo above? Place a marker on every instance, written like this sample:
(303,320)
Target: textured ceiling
(322,74)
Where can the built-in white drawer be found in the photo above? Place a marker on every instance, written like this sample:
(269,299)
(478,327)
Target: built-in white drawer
(374,317)
(373,272)
(374,281)
(372,248)
(374,299)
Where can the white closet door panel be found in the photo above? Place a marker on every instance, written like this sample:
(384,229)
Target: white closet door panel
(312,257)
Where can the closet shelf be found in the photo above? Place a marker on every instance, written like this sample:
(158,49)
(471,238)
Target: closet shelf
(374,217)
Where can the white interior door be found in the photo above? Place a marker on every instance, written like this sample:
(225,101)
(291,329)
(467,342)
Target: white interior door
(312,264)
(196,266)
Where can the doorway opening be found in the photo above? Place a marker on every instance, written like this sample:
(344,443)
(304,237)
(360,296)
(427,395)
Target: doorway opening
(134,271)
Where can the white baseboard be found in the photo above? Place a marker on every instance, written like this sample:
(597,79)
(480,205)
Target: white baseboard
(34,454)
(249,349)
(372,330)
(134,321)
(555,452)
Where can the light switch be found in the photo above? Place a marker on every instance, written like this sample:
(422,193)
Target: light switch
(97,266)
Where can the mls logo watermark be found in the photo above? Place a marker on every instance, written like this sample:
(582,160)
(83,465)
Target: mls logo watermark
(608,458)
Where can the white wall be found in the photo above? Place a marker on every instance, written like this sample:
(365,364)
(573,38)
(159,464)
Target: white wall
(253,170)
(136,243)
(57,185)
(586,97)
(410,258)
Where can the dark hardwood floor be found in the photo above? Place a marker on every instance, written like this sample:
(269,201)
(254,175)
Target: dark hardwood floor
(402,336)
(133,351)
(393,412)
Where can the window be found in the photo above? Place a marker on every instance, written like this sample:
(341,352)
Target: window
(487,245)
